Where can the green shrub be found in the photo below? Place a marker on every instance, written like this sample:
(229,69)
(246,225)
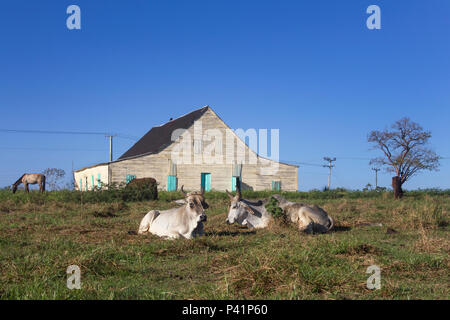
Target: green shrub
(273,208)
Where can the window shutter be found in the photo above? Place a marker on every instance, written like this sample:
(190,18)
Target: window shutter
(130,177)
(171,183)
(276,185)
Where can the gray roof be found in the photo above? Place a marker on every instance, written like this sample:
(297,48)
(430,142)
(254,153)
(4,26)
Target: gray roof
(158,138)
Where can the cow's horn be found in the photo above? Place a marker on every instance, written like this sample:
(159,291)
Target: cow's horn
(182,191)
(229,195)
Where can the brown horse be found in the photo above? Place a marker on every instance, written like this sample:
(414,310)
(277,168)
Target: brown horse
(30,178)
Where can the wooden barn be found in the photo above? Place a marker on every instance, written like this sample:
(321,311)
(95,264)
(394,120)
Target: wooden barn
(195,150)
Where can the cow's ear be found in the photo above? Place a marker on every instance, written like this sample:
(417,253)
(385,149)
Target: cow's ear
(181,201)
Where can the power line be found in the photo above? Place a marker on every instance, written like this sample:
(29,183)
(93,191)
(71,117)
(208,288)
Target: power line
(353,158)
(106,134)
(124,136)
(302,163)
(49,149)
(52,132)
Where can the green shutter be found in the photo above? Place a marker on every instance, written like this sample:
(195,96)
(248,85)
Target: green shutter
(93,185)
(81,184)
(276,185)
(99,180)
(171,183)
(130,177)
(206,181)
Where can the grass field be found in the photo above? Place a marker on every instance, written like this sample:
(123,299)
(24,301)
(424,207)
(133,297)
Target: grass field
(40,236)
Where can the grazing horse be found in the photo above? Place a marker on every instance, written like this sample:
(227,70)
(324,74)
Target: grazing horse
(30,178)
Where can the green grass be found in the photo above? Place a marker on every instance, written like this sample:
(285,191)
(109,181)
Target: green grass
(41,235)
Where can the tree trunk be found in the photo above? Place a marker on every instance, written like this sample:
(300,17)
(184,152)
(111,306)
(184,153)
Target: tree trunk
(397,186)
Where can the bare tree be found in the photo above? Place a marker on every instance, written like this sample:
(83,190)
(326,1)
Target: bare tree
(405,152)
(54,177)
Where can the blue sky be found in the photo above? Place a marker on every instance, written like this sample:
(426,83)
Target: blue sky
(310,68)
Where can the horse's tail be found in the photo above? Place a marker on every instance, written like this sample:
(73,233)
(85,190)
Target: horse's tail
(43,183)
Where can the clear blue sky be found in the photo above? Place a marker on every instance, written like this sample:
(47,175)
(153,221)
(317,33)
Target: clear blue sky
(310,68)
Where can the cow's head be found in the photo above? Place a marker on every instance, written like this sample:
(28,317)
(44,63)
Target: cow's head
(196,204)
(14,188)
(239,210)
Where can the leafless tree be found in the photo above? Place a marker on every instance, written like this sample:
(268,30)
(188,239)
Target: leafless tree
(405,152)
(54,177)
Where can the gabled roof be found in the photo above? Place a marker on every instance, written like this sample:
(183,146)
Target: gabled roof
(160,137)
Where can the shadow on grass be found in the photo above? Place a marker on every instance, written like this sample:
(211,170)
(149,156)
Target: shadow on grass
(340,229)
(230,233)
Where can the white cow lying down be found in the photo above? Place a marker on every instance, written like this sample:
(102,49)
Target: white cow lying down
(182,222)
(310,218)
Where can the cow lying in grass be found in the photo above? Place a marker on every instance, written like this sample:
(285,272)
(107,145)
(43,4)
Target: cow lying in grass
(310,219)
(245,212)
(183,222)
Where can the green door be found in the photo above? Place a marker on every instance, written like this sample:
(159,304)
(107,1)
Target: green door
(206,181)
(171,183)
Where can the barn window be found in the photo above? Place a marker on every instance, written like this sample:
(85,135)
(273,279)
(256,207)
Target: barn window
(197,146)
(237,175)
(237,169)
(276,185)
(81,185)
(130,177)
(172,168)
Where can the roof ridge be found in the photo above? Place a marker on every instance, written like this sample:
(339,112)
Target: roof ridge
(186,114)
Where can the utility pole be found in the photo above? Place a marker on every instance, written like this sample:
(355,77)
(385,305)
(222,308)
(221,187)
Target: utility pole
(329,166)
(376,177)
(110,146)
